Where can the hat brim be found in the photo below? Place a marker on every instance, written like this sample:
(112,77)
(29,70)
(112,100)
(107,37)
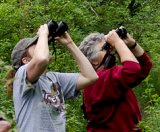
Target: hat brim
(33,41)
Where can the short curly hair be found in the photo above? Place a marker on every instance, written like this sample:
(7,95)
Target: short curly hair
(87,46)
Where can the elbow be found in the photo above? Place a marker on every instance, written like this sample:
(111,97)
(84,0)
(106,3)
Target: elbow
(132,76)
(131,68)
(42,60)
(93,79)
(84,82)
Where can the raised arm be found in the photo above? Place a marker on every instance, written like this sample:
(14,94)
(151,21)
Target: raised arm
(38,55)
(130,70)
(87,73)
(140,54)
(123,51)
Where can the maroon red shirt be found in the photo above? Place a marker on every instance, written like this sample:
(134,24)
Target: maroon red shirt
(111,105)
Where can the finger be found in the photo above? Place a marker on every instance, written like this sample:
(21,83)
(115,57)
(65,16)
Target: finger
(106,37)
(57,37)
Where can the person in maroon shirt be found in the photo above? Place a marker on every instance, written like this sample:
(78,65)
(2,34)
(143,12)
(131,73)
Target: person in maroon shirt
(110,104)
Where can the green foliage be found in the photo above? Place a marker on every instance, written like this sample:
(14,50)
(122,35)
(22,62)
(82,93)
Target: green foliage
(21,19)
(149,101)
(6,102)
(151,121)
(75,120)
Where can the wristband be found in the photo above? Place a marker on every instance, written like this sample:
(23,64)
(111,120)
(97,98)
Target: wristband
(133,46)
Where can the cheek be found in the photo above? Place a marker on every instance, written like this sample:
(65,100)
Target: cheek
(32,53)
(31,50)
(101,56)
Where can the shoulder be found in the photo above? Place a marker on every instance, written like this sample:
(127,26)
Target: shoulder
(20,73)
(108,71)
(61,74)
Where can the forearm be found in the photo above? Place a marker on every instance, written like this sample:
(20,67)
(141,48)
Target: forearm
(140,54)
(83,63)
(40,55)
(124,53)
(86,70)
(146,64)
(137,51)
(144,60)
(40,60)
(142,57)
(41,49)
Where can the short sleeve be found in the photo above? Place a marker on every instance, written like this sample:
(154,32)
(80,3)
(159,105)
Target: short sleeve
(68,82)
(20,84)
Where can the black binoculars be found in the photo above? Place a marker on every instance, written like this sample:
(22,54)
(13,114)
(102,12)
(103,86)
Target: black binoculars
(122,32)
(57,29)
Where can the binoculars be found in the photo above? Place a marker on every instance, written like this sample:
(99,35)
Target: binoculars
(122,32)
(57,29)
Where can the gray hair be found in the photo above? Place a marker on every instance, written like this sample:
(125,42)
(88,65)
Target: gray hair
(88,44)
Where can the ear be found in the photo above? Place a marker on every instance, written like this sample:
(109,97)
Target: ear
(25,60)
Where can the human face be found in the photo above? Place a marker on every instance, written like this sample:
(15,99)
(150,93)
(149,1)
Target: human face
(100,47)
(28,55)
(31,52)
